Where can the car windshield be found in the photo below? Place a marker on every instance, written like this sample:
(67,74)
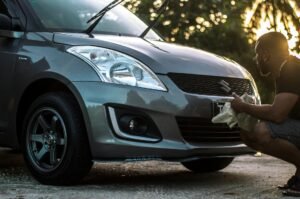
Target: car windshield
(72,15)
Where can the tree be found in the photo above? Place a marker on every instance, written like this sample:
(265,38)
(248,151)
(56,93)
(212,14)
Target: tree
(276,15)
(191,22)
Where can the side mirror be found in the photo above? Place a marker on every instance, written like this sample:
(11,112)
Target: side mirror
(5,22)
(6,28)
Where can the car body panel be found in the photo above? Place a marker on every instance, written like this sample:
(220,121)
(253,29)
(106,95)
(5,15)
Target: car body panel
(8,53)
(34,58)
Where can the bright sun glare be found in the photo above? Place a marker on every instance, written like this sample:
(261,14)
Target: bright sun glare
(266,22)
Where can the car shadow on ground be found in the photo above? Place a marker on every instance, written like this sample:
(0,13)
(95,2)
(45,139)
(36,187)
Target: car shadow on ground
(164,175)
(153,178)
(168,175)
(10,158)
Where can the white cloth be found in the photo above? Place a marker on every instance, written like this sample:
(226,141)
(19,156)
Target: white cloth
(228,116)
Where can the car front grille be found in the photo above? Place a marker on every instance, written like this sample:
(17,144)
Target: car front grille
(204,131)
(210,85)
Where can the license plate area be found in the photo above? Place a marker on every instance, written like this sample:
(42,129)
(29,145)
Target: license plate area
(217,108)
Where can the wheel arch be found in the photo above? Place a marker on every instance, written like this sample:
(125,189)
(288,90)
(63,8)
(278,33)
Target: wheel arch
(43,86)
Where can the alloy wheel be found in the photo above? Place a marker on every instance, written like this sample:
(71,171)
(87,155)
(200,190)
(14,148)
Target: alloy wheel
(46,139)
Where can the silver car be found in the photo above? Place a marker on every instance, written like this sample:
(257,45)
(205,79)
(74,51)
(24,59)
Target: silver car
(74,92)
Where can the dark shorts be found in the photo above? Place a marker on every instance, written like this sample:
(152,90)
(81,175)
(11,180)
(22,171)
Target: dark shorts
(288,130)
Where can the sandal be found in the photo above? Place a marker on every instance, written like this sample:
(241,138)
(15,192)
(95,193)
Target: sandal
(291,192)
(289,183)
(294,190)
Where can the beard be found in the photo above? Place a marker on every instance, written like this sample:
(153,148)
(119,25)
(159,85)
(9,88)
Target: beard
(264,69)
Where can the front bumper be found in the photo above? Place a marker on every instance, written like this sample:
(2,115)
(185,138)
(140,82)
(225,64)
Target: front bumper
(162,108)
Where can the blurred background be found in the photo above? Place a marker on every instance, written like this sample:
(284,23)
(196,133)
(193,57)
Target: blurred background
(225,27)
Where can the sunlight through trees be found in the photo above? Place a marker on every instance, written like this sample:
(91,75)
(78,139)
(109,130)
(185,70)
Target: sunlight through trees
(273,15)
(185,18)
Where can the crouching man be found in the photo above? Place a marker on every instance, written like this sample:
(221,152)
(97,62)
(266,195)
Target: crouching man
(278,133)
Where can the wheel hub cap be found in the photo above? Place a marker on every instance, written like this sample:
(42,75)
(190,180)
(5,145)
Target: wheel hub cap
(49,140)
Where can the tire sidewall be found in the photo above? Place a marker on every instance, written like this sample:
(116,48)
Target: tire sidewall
(57,102)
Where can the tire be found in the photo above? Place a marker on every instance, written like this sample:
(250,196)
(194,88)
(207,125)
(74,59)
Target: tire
(207,165)
(54,140)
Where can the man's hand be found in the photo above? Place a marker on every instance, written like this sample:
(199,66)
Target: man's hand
(237,104)
(277,112)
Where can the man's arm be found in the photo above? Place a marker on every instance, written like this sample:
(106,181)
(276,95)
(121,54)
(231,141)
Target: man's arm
(277,112)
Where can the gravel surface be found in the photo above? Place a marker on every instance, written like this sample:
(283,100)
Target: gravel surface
(246,177)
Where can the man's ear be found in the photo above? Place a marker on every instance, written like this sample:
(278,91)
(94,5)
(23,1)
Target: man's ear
(266,56)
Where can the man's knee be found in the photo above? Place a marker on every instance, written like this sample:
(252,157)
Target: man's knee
(259,138)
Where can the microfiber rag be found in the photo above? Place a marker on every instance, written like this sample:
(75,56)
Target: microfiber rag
(231,118)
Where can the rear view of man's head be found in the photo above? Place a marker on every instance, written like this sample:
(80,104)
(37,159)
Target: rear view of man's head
(271,50)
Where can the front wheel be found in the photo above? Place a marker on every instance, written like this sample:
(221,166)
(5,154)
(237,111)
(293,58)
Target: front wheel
(55,144)
(207,164)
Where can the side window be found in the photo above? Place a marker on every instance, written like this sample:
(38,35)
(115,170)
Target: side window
(5,23)
(3,9)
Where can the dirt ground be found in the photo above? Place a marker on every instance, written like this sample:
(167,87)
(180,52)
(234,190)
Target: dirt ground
(246,177)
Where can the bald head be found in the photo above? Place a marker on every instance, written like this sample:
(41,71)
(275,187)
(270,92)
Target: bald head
(271,50)
(273,42)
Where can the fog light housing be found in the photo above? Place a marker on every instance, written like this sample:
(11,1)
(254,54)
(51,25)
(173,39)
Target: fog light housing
(134,125)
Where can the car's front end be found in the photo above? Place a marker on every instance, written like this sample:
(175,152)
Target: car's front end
(156,100)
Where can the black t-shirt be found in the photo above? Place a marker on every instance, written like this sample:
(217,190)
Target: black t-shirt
(289,82)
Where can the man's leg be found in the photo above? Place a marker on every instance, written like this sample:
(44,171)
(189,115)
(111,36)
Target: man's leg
(267,139)
(261,140)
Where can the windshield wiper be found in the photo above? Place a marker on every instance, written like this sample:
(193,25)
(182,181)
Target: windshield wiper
(97,18)
(160,11)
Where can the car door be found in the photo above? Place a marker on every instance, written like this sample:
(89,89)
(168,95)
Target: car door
(8,49)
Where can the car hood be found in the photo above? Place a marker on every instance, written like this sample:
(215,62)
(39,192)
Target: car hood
(161,57)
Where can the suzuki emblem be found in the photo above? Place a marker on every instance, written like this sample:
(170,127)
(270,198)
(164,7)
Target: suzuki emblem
(225,86)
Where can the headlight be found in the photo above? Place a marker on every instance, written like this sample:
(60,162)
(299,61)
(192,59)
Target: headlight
(118,68)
